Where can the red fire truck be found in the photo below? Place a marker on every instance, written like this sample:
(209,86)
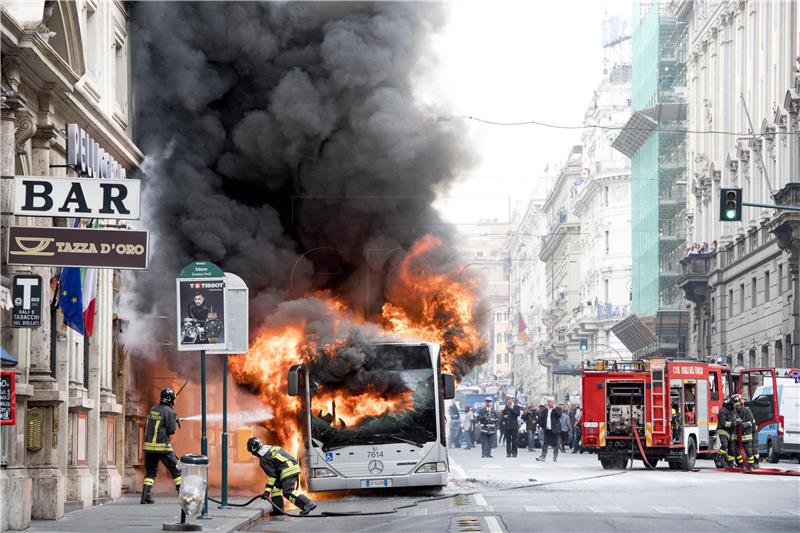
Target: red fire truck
(672,404)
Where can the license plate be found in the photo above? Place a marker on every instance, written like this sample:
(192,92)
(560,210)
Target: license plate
(375,483)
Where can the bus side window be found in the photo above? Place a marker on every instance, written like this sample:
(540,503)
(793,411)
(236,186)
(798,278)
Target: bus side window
(713,385)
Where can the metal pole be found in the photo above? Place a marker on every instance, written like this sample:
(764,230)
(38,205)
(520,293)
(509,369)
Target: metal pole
(772,206)
(203,438)
(224,504)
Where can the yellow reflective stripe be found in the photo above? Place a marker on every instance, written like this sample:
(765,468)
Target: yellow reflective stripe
(155,431)
(648,433)
(293,496)
(276,491)
(148,482)
(601,439)
(177,480)
(270,482)
(157,447)
(721,451)
(290,470)
(723,432)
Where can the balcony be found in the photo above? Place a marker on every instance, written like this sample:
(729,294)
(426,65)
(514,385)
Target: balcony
(694,279)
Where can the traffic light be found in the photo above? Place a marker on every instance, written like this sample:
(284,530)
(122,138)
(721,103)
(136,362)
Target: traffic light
(584,344)
(730,205)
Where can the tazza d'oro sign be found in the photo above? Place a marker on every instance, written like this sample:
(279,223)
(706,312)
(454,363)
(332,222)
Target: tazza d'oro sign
(79,247)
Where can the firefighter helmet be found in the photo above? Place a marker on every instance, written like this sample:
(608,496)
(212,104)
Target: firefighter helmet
(168,396)
(253,445)
(737,399)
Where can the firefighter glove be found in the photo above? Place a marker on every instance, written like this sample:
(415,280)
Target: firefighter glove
(267,493)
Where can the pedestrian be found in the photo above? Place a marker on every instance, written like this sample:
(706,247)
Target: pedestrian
(510,420)
(550,422)
(488,418)
(565,428)
(576,439)
(467,421)
(161,425)
(529,417)
(283,473)
(455,426)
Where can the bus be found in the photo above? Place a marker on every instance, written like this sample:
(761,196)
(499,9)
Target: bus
(404,448)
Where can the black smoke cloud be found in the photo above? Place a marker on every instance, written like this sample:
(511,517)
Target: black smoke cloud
(284,143)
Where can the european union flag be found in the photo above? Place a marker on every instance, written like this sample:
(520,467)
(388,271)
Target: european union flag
(70,298)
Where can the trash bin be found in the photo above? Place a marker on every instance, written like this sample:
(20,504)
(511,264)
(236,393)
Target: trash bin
(194,481)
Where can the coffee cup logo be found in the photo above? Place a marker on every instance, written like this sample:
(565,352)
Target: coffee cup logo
(33,246)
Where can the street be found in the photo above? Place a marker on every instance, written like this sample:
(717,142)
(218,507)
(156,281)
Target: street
(574,494)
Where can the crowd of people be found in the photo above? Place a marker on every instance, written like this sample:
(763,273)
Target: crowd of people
(704,248)
(516,426)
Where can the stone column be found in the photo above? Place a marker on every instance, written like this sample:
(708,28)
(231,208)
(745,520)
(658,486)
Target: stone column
(47,466)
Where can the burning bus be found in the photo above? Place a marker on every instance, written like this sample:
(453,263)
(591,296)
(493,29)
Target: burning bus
(400,444)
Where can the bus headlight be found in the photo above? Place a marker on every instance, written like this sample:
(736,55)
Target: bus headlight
(428,468)
(322,472)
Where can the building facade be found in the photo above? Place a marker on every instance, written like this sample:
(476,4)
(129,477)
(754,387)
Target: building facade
(602,203)
(561,253)
(528,291)
(485,255)
(743,283)
(63,63)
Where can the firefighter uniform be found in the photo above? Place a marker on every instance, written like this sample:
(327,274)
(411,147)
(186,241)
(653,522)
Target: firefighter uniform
(283,474)
(726,427)
(161,425)
(748,431)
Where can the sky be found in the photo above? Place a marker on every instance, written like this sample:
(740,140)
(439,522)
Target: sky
(513,61)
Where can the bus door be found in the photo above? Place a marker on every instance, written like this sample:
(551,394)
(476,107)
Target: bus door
(762,404)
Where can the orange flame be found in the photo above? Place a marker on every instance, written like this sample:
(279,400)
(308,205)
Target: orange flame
(423,305)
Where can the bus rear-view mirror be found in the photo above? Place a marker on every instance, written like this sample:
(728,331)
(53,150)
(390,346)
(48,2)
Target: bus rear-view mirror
(448,386)
(294,380)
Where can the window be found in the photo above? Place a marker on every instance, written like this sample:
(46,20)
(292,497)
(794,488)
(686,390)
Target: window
(730,303)
(607,241)
(753,290)
(753,241)
(605,290)
(499,338)
(713,385)
(506,358)
(605,196)
(766,285)
(91,38)
(780,280)
(713,308)
(121,76)
(498,358)
(741,298)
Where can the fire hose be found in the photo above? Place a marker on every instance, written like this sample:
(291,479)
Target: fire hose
(744,470)
(415,503)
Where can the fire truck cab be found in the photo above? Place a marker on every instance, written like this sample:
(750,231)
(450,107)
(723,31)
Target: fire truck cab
(671,404)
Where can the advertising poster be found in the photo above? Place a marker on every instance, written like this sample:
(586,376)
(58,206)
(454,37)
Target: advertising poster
(201,314)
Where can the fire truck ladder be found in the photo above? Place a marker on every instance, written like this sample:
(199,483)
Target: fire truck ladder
(658,404)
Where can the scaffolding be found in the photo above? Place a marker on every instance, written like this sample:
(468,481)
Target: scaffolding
(659,155)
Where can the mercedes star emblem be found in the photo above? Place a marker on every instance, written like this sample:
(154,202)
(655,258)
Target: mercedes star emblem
(375,467)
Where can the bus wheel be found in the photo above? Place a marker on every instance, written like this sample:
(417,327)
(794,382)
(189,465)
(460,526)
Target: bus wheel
(772,456)
(608,463)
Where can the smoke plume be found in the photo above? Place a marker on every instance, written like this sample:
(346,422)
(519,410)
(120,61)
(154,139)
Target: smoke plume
(285,144)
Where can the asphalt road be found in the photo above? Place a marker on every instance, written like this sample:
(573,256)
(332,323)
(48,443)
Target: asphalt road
(575,494)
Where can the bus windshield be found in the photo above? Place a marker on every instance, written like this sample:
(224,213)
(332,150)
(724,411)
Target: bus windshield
(397,403)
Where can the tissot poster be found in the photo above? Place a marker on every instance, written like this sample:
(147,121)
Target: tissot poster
(201,314)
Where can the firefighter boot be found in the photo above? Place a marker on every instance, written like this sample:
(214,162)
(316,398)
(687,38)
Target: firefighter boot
(305,504)
(277,506)
(146,498)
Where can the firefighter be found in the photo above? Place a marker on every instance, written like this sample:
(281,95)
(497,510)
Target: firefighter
(748,430)
(161,425)
(283,473)
(726,431)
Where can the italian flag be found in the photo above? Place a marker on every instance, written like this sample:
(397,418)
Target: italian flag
(89,295)
(88,292)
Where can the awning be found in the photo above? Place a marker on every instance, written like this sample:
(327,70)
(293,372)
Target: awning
(634,134)
(8,358)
